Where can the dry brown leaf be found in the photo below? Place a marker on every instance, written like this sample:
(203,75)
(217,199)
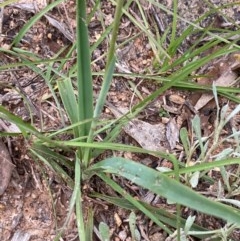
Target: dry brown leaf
(150,137)
(172,133)
(177,99)
(117,219)
(6,167)
(227,78)
(61,27)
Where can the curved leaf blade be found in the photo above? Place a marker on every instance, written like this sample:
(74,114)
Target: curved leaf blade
(164,186)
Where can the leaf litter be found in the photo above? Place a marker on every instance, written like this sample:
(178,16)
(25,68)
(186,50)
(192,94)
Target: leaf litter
(227,67)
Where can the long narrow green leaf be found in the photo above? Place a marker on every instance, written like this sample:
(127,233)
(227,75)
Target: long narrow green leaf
(78,201)
(98,108)
(30,63)
(206,166)
(84,74)
(166,187)
(23,126)
(68,98)
(105,87)
(110,146)
(74,202)
(89,225)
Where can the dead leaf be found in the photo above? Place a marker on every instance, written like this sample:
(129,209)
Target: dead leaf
(150,137)
(177,99)
(61,27)
(21,235)
(172,133)
(117,219)
(6,167)
(227,78)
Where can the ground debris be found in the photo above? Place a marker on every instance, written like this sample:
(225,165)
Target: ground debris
(150,137)
(6,167)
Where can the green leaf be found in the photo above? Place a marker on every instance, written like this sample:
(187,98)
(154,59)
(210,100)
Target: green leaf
(84,73)
(185,140)
(166,187)
(189,222)
(132,225)
(104,231)
(194,179)
(22,125)
(69,100)
(89,225)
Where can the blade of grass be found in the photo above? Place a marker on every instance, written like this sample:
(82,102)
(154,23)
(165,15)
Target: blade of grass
(104,232)
(84,74)
(165,186)
(109,146)
(110,61)
(76,197)
(172,46)
(70,103)
(89,225)
(78,202)
(30,63)
(23,126)
(48,153)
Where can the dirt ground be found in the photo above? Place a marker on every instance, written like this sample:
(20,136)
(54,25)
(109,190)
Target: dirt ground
(35,203)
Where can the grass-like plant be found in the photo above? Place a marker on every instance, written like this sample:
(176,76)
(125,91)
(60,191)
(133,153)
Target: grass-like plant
(76,95)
